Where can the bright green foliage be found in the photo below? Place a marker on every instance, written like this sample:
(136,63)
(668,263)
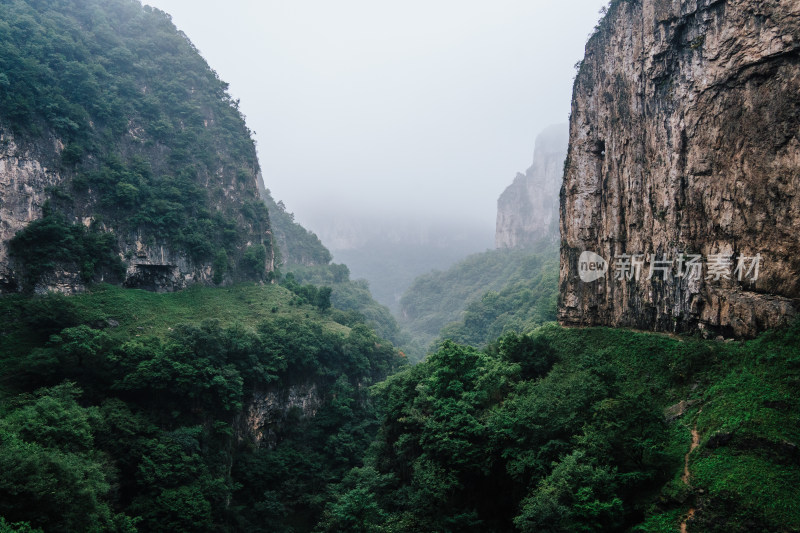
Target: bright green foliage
(565,430)
(16,527)
(560,430)
(309,294)
(52,474)
(254,261)
(144,422)
(219,267)
(484,296)
(51,240)
(576,496)
(354,297)
(49,313)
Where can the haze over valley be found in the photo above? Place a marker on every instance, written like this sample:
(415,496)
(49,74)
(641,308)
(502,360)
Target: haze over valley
(394,125)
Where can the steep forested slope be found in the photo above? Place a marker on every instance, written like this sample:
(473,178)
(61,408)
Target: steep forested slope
(585,430)
(110,119)
(295,244)
(353,296)
(483,296)
(122,158)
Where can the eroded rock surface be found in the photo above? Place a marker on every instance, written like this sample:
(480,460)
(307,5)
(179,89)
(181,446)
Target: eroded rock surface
(685,138)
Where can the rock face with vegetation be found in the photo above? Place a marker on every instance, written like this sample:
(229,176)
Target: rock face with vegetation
(684,140)
(527,211)
(122,157)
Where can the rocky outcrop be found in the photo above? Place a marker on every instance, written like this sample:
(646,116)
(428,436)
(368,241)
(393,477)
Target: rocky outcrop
(24,182)
(270,412)
(684,147)
(527,211)
(29,173)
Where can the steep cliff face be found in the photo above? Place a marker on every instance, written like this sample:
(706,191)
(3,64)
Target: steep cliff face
(24,186)
(269,412)
(527,211)
(111,120)
(685,148)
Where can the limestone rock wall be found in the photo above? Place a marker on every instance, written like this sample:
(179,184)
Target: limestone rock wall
(269,411)
(527,211)
(685,139)
(28,173)
(24,181)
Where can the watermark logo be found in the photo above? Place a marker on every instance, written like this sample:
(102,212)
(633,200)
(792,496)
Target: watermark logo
(591,267)
(714,267)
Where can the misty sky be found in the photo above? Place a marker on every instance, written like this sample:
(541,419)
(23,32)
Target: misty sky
(415,108)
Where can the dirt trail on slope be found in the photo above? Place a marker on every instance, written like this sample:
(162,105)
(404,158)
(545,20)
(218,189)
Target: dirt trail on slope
(685,476)
(695,444)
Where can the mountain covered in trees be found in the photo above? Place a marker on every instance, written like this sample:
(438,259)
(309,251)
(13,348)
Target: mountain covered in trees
(483,296)
(124,158)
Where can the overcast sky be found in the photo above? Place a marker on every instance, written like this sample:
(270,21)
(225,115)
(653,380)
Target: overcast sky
(425,108)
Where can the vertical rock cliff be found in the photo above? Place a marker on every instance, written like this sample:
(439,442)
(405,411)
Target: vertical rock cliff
(685,151)
(527,211)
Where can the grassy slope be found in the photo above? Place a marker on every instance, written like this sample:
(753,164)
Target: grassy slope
(247,304)
(744,400)
(143,313)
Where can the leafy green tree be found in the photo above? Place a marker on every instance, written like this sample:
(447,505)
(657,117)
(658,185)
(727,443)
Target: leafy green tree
(576,496)
(80,344)
(17,527)
(254,260)
(52,476)
(323,298)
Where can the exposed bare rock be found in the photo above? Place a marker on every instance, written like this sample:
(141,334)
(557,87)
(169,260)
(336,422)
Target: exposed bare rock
(24,182)
(527,211)
(268,411)
(685,138)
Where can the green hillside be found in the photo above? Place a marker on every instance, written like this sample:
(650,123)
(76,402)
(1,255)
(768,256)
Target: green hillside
(484,296)
(139,134)
(274,394)
(585,430)
(296,245)
(125,410)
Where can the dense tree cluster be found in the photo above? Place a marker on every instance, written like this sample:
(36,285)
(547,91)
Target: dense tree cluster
(103,430)
(565,431)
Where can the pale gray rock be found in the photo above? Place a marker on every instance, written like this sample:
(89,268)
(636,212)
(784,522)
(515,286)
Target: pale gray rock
(527,211)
